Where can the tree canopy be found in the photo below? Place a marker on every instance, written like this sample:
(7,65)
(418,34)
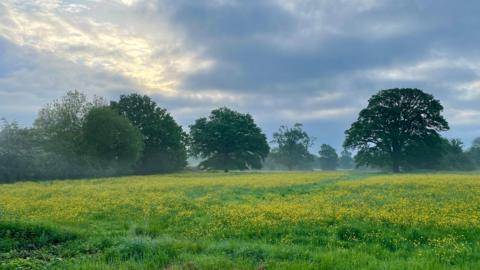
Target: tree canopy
(59,124)
(474,152)
(454,158)
(17,153)
(346,160)
(476,142)
(164,140)
(292,146)
(394,122)
(228,140)
(328,157)
(111,139)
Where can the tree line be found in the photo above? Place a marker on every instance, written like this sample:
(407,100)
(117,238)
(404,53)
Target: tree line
(75,137)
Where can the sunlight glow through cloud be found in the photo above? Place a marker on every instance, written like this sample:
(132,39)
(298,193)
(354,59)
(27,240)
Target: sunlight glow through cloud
(51,27)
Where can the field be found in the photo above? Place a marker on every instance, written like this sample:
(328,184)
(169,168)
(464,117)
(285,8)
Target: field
(314,220)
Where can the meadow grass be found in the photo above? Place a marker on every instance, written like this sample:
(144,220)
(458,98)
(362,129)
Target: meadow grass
(300,220)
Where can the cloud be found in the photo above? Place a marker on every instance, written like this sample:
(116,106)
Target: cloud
(283,61)
(337,113)
(469,90)
(464,117)
(53,28)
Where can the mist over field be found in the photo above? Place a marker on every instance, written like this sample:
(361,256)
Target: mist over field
(226,134)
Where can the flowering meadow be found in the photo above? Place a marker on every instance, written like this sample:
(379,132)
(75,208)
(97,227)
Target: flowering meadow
(298,220)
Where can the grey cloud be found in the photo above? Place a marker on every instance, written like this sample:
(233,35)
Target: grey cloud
(29,80)
(327,46)
(312,61)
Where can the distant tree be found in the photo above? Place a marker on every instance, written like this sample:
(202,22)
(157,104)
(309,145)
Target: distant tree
(164,140)
(476,142)
(292,146)
(346,160)
(474,152)
(454,158)
(111,139)
(228,140)
(328,157)
(17,153)
(23,157)
(394,120)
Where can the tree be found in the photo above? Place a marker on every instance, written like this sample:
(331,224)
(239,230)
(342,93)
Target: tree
(292,146)
(393,122)
(111,139)
(426,154)
(59,124)
(474,152)
(164,140)
(346,160)
(476,142)
(58,132)
(16,153)
(228,140)
(454,158)
(23,156)
(328,157)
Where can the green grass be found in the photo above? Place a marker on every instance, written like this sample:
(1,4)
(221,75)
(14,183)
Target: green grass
(243,221)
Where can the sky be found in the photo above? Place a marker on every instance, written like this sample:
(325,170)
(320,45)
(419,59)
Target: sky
(316,62)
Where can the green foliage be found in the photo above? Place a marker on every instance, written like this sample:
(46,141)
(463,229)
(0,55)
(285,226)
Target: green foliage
(394,122)
(228,140)
(17,153)
(112,139)
(349,233)
(58,133)
(426,154)
(31,246)
(72,137)
(454,158)
(439,154)
(328,157)
(292,146)
(163,138)
(23,156)
(16,235)
(474,152)
(59,124)
(75,137)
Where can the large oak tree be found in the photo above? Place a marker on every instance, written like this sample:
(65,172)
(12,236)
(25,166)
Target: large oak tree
(228,140)
(394,123)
